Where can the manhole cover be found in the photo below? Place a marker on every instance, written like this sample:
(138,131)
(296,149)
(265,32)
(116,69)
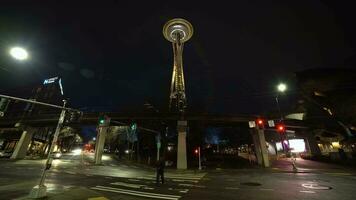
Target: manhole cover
(251,184)
(316,186)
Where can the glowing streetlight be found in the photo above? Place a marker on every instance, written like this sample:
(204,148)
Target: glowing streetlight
(282,87)
(18,53)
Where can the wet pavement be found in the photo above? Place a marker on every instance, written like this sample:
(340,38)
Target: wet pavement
(74,177)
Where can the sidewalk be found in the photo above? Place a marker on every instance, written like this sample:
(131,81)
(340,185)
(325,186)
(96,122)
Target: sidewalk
(75,193)
(309,166)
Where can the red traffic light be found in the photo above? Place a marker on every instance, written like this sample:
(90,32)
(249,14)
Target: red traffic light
(281,128)
(196,151)
(260,122)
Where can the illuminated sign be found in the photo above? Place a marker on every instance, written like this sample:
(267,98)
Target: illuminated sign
(50,80)
(60,86)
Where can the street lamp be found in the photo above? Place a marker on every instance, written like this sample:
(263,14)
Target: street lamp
(282,87)
(18,53)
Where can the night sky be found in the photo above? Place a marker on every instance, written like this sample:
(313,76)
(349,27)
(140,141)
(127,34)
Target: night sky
(113,56)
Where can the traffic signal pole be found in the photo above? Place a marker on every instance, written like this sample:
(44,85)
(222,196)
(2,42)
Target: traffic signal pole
(36,102)
(39,191)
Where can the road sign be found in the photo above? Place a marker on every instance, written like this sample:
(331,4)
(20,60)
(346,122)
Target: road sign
(252,124)
(271,123)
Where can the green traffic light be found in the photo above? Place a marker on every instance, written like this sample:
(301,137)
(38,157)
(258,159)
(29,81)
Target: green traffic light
(102,121)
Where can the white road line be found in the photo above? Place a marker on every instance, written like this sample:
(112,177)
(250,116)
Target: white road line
(137,193)
(266,189)
(178,180)
(191,185)
(307,191)
(177,177)
(69,172)
(128,185)
(232,188)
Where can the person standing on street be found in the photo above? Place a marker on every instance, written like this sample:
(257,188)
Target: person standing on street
(160,171)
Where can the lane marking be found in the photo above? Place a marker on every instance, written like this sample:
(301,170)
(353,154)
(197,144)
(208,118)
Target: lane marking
(339,173)
(128,185)
(307,191)
(137,193)
(184,191)
(266,189)
(179,180)
(177,177)
(232,188)
(191,185)
(69,172)
(98,198)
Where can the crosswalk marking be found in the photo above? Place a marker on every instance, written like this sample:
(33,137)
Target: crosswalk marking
(128,185)
(191,185)
(178,180)
(187,177)
(137,193)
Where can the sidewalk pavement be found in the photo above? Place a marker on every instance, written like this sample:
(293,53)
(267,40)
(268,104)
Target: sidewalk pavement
(309,166)
(75,193)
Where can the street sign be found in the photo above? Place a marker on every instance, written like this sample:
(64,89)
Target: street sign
(271,123)
(50,80)
(252,124)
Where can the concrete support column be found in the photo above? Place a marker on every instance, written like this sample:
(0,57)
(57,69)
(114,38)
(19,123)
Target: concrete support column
(312,145)
(264,150)
(99,145)
(259,140)
(22,145)
(257,146)
(182,145)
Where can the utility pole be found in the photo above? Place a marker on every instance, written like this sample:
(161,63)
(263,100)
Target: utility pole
(39,191)
(199,158)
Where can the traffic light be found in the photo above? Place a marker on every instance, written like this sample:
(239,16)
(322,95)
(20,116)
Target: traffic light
(104,120)
(260,123)
(133,126)
(196,151)
(73,117)
(4,103)
(281,128)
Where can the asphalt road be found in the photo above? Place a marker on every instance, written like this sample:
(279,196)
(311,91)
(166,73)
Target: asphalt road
(74,175)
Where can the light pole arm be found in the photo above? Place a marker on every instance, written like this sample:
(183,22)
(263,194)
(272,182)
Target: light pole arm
(37,102)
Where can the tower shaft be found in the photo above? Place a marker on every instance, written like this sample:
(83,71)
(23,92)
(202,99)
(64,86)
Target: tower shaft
(177,102)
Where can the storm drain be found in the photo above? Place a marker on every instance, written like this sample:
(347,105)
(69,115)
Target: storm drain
(315,186)
(251,184)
